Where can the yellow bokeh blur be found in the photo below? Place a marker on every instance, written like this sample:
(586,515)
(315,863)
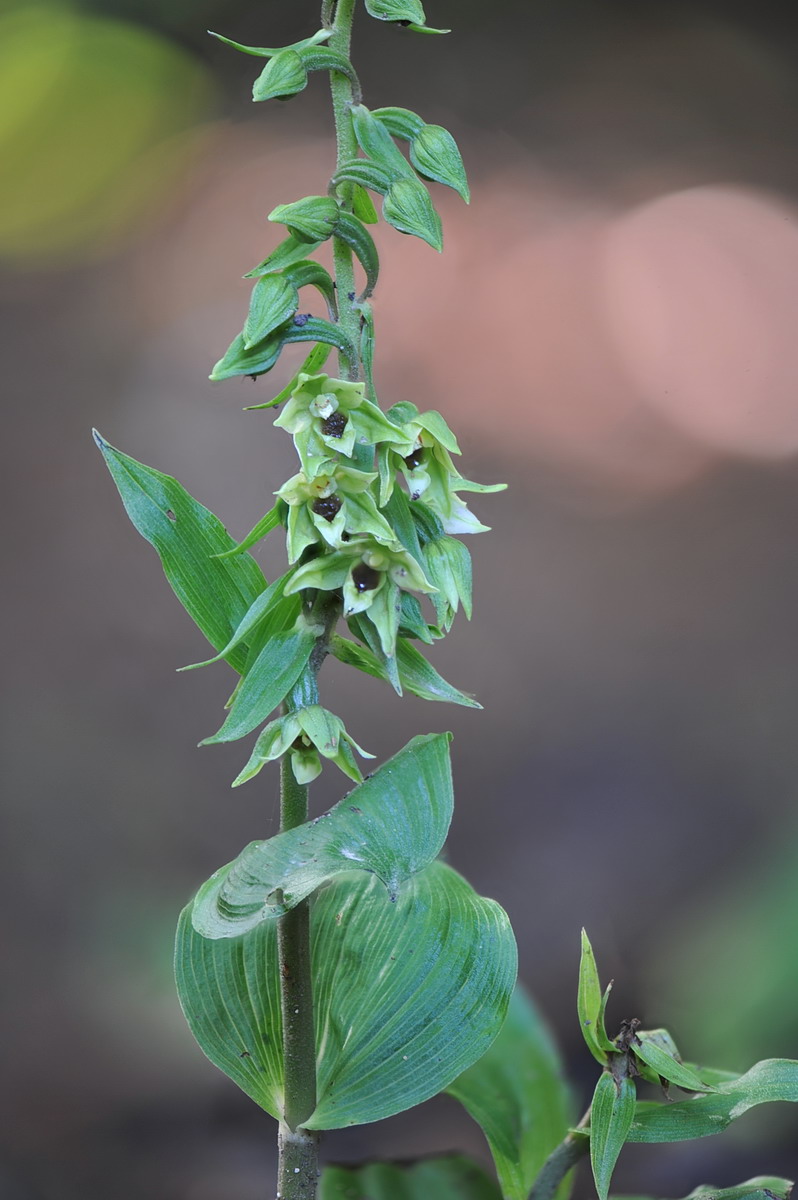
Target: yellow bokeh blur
(97,119)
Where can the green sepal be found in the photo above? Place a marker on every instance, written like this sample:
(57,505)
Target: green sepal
(411,620)
(405,12)
(399,514)
(363,206)
(452,1177)
(239,359)
(377,144)
(413,670)
(425,29)
(267,681)
(385,664)
(352,231)
(312,364)
(267,51)
(268,522)
(215,592)
(364,173)
(400,122)
(391,825)
(268,614)
(447,564)
(649,1048)
(290,250)
(307,273)
(434,154)
(311,219)
(316,329)
(589,1005)
(773,1079)
(409,209)
(274,299)
(284,75)
(611,1116)
(517,1093)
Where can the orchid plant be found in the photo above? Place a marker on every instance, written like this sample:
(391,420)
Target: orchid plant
(340,972)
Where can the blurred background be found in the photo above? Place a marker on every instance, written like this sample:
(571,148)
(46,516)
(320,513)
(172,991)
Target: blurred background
(613,330)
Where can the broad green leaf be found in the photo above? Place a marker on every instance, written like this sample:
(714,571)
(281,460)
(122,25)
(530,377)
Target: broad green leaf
(409,209)
(518,1095)
(611,1115)
(354,233)
(284,75)
(267,681)
(450,1178)
(290,250)
(259,531)
(764,1187)
(215,592)
(414,672)
(768,1081)
(274,299)
(400,122)
(391,825)
(377,144)
(268,51)
(260,612)
(589,1004)
(408,994)
(238,359)
(311,219)
(646,1047)
(434,154)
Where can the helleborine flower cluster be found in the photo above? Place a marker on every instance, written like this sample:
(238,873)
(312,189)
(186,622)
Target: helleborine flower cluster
(344,523)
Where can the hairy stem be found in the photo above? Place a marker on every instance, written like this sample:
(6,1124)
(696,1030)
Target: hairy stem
(569,1152)
(342,98)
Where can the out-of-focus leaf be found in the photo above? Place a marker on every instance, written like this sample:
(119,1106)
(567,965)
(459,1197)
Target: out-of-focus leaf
(270,52)
(647,1047)
(434,154)
(450,1178)
(611,1115)
(215,592)
(274,300)
(764,1187)
(408,994)
(391,825)
(589,1004)
(409,209)
(266,683)
(518,1095)
(771,1080)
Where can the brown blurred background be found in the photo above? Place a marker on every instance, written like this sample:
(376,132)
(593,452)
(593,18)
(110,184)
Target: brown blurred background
(613,329)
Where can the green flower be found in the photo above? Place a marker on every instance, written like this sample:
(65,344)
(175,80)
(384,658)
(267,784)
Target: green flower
(372,577)
(325,414)
(448,564)
(329,505)
(305,733)
(429,469)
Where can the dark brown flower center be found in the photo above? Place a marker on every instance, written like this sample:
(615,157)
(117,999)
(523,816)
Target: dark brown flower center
(415,459)
(327,507)
(334,425)
(365,578)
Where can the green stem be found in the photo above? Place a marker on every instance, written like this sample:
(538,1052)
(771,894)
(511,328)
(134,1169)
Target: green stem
(342,98)
(569,1152)
(298,1166)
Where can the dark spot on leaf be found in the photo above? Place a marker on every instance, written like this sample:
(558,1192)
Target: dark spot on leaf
(334,426)
(245,1054)
(365,578)
(350,295)
(170,515)
(327,507)
(355,809)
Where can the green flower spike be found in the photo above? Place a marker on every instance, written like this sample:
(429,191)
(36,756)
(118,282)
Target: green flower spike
(325,414)
(371,577)
(333,503)
(305,733)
